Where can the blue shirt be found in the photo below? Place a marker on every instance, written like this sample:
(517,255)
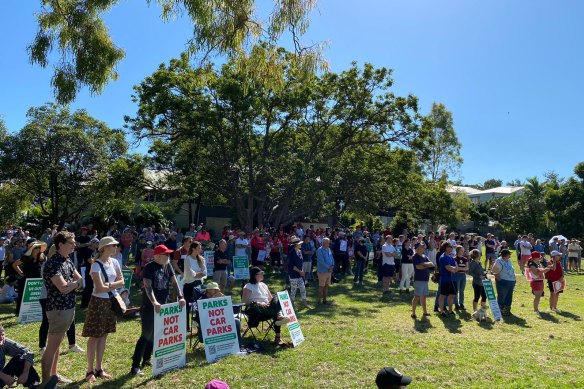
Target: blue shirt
(324,260)
(445,275)
(539,247)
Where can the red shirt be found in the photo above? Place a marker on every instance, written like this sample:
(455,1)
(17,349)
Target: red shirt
(258,243)
(555,275)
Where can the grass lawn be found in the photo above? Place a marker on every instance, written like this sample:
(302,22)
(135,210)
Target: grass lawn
(348,343)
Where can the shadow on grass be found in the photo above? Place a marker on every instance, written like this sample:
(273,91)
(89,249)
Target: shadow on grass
(486,324)
(515,320)
(548,317)
(451,323)
(570,315)
(422,325)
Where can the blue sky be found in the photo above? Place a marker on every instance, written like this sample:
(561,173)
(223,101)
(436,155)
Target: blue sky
(510,71)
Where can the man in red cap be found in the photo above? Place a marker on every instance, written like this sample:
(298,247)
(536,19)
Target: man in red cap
(157,276)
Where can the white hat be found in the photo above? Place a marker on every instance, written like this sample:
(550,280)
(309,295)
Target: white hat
(556,253)
(107,241)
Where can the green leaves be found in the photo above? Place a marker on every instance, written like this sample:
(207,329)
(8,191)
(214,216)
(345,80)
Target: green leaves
(56,157)
(88,57)
(276,154)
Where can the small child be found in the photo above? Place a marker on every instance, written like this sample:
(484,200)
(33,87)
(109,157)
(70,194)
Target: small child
(477,272)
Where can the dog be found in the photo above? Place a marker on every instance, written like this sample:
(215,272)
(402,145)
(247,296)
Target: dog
(480,314)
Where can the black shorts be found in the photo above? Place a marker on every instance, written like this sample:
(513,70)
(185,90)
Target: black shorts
(448,288)
(387,270)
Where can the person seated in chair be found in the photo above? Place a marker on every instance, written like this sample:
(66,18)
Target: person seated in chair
(262,305)
(19,369)
(212,290)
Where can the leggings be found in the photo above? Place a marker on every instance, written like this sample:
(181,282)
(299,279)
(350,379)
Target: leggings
(479,291)
(297,283)
(407,270)
(44,328)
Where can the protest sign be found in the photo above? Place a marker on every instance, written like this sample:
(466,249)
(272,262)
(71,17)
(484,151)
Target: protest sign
(288,311)
(179,282)
(218,327)
(30,309)
(169,339)
(127,279)
(209,262)
(559,285)
(241,267)
(261,255)
(493,304)
(529,276)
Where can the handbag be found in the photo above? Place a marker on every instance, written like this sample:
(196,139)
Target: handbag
(118,305)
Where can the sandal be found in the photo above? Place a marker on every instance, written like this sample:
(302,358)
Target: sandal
(90,377)
(102,374)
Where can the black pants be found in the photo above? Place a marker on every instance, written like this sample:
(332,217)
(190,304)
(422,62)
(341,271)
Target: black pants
(88,290)
(143,350)
(258,314)
(44,328)
(479,291)
(192,292)
(15,367)
(21,282)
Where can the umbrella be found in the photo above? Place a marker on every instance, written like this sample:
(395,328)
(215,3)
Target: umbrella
(559,237)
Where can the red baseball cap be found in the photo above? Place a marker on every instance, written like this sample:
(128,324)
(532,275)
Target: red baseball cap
(535,254)
(162,249)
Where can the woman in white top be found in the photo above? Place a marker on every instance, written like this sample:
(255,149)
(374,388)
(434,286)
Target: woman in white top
(100,319)
(262,305)
(194,275)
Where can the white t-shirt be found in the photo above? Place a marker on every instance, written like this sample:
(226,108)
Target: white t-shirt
(110,270)
(259,292)
(192,267)
(387,248)
(241,251)
(525,247)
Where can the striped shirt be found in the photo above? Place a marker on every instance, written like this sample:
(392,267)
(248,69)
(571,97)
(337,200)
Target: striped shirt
(14,350)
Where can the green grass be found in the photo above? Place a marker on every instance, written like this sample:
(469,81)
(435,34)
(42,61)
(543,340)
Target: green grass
(348,343)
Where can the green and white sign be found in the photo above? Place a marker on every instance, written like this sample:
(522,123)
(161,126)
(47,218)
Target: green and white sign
(127,279)
(30,309)
(218,326)
(170,328)
(241,267)
(209,262)
(493,304)
(288,311)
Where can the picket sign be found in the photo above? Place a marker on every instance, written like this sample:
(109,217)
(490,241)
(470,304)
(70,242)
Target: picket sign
(30,309)
(288,311)
(170,329)
(493,304)
(218,327)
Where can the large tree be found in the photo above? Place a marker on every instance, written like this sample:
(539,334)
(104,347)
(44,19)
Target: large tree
(54,159)
(274,154)
(440,154)
(88,57)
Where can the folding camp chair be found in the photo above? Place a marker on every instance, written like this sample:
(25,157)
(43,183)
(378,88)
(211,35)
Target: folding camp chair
(259,327)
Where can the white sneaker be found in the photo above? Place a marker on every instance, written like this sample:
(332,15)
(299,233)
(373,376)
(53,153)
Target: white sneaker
(42,351)
(76,349)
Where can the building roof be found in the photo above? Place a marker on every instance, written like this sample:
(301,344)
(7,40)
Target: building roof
(501,190)
(462,189)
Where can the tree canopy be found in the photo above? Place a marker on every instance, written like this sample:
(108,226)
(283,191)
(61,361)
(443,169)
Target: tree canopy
(88,57)
(278,154)
(54,159)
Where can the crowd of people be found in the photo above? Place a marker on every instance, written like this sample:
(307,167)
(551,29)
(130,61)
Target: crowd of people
(302,258)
